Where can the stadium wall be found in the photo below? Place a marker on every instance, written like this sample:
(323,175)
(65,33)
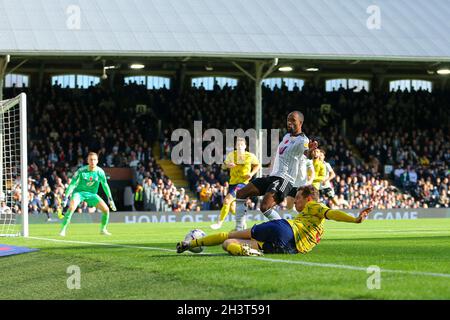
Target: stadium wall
(212,216)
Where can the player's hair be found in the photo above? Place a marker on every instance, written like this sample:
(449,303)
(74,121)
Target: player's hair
(299,114)
(309,191)
(323,151)
(92,153)
(237,139)
(241,139)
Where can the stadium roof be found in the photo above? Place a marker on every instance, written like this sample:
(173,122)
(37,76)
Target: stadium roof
(294,29)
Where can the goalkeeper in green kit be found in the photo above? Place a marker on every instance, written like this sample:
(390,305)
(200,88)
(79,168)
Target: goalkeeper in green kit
(84,186)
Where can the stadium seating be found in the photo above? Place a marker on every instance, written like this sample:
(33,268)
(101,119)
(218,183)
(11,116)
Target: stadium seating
(377,157)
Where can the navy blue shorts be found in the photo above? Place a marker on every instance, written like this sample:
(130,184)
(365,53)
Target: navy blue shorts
(235,187)
(277,236)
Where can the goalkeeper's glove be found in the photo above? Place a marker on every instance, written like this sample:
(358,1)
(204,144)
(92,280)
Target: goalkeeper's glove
(112,205)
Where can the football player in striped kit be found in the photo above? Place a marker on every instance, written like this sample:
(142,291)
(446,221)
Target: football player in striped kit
(306,175)
(285,166)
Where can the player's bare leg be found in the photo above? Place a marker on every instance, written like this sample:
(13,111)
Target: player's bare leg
(243,234)
(250,190)
(267,205)
(335,202)
(103,207)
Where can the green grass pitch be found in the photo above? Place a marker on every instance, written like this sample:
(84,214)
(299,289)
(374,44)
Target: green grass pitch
(139,262)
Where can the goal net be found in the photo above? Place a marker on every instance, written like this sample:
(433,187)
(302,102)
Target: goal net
(13,167)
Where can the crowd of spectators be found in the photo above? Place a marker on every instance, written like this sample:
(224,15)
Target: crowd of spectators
(415,152)
(402,156)
(391,153)
(65,124)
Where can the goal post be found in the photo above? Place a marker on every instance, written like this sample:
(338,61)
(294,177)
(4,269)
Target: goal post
(13,167)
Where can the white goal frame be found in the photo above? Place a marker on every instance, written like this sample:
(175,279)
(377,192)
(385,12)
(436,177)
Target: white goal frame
(5,105)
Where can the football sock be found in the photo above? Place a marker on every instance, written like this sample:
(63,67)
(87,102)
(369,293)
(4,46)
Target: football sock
(224,212)
(233,207)
(271,214)
(66,220)
(241,212)
(210,240)
(105,220)
(235,249)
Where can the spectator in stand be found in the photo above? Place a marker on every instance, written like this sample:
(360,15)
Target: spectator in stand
(205,194)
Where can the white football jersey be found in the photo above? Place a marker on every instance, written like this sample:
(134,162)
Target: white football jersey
(302,175)
(328,170)
(288,156)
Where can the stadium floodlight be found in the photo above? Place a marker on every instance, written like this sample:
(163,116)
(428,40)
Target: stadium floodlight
(312,69)
(137,66)
(13,167)
(285,69)
(444,71)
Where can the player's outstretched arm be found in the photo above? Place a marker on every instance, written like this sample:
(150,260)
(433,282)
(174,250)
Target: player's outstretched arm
(364,214)
(312,145)
(311,175)
(332,174)
(255,169)
(338,215)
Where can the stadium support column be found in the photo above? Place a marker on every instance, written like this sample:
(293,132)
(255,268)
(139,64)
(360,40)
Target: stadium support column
(258,110)
(258,78)
(3,63)
(41,75)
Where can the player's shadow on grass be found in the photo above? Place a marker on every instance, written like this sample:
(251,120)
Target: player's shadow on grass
(135,247)
(194,255)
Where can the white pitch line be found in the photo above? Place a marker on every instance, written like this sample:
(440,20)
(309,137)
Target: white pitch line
(401,233)
(343,266)
(305,263)
(391,230)
(102,244)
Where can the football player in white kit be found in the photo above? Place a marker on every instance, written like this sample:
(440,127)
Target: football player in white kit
(305,177)
(325,186)
(276,187)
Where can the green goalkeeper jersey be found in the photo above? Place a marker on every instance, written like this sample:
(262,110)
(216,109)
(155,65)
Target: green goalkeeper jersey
(85,180)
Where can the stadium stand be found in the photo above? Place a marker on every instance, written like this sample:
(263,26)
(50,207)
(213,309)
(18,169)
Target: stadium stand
(399,166)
